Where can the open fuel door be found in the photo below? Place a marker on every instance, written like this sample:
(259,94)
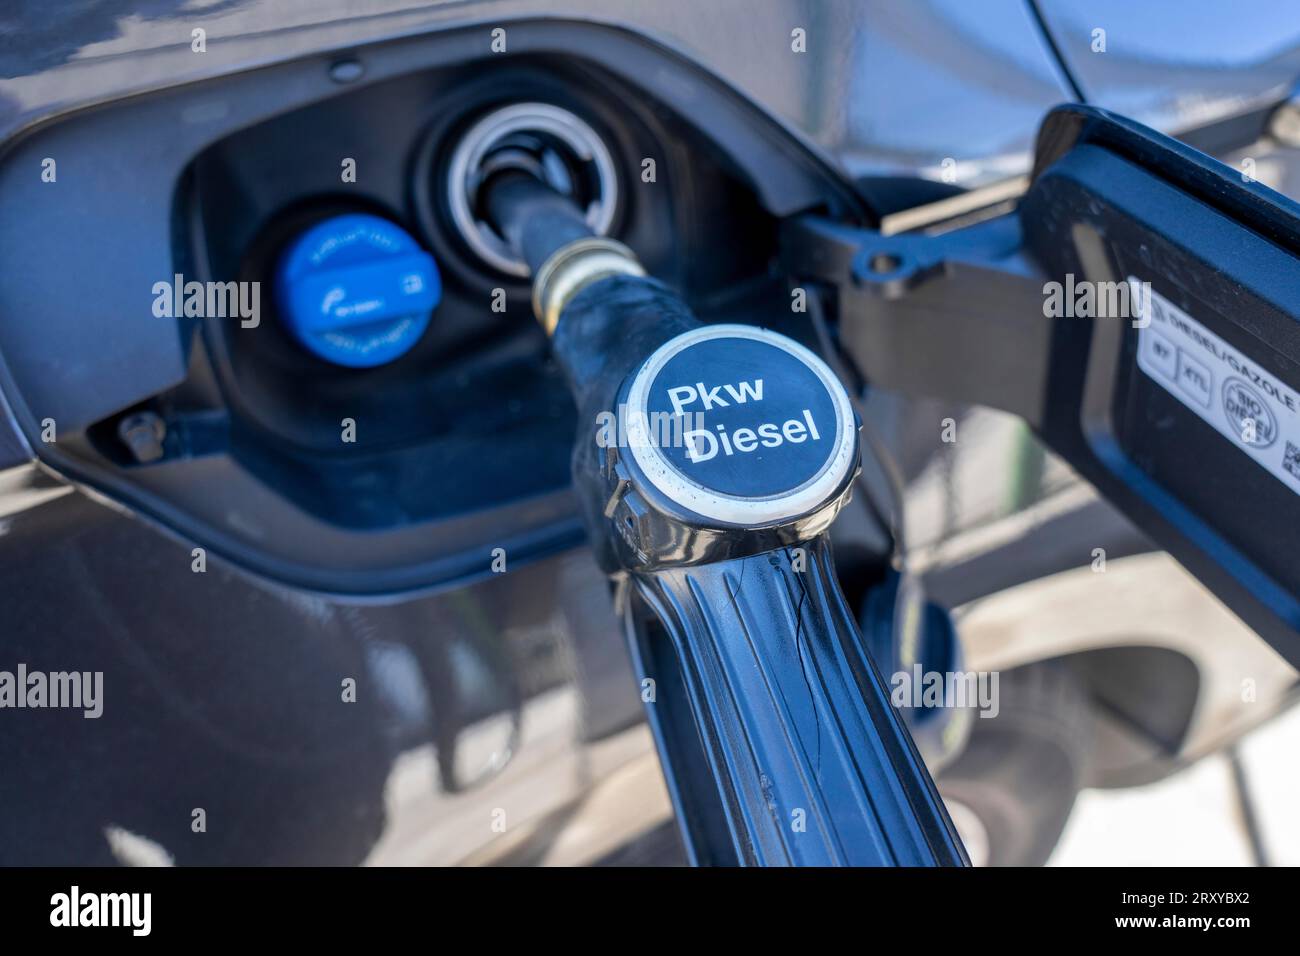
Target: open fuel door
(1140,307)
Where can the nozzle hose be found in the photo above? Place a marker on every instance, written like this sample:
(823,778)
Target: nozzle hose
(531,216)
(549,232)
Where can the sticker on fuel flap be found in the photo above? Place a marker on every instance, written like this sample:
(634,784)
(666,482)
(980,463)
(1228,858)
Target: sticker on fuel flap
(1232,393)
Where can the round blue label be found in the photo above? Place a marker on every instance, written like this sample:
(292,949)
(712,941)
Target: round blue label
(744,417)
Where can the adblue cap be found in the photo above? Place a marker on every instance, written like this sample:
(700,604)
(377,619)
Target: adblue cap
(357,290)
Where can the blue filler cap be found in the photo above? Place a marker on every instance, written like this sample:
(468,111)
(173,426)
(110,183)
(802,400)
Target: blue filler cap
(357,290)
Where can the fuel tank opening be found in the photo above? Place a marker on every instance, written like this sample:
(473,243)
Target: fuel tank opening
(550,143)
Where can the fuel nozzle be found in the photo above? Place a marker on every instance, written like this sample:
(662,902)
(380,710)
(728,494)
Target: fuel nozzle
(709,461)
(729,439)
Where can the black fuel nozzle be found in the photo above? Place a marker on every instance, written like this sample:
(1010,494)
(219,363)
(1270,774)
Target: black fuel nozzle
(709,461)
(718,441)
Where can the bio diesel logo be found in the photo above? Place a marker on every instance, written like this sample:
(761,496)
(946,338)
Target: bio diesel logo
(1248,414)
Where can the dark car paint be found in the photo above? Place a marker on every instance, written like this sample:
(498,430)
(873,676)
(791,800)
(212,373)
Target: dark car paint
(225,693)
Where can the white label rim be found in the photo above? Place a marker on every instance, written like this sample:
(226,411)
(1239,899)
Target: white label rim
(735,509)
